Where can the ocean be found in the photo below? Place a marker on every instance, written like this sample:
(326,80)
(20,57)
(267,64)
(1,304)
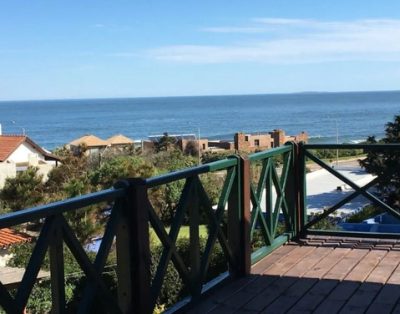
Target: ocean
(351,115)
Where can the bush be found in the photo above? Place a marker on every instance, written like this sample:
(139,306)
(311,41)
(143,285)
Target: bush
(173,288)
(365,213)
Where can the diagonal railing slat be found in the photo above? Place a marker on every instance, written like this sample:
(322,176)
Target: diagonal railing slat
(242,209)
(35,262)
(101,256)
(277,198)
(358,190)
(86,265)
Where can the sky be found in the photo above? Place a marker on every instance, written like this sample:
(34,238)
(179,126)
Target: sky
(100,49)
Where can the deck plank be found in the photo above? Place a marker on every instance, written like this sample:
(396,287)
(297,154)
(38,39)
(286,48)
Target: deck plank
(291,259)
(362,298)
(308,262)
(338,297)
(325,265)
(345,265)
(329,276)
(385,268)
(389,295)
(314,296)
(366,266)
(266,262)
(290,296)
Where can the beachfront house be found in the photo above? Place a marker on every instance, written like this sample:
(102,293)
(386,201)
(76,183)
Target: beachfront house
(92,144)
(18,152)
(120,142)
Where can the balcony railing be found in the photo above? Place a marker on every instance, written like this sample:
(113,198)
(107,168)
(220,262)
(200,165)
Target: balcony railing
(261,205)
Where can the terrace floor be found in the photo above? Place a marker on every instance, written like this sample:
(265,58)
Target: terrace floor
(317,275)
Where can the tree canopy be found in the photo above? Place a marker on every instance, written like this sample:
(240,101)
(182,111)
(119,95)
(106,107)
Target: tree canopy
(386,164)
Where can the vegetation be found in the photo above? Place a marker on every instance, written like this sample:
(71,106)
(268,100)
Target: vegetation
(365,213)
(331,154)
(78,174)
(386,164)
(25,190)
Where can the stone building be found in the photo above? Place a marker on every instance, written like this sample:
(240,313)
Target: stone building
(262,141)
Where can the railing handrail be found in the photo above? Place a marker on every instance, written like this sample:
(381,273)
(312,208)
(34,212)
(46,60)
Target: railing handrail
(132,215)
(270,153)
(196,170)
(55,208)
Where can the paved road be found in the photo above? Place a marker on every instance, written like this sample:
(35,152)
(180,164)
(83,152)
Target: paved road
(322,188)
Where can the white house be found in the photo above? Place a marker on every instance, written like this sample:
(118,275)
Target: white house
(17,152)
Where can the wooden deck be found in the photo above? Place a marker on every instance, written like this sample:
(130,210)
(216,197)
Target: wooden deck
(317,275)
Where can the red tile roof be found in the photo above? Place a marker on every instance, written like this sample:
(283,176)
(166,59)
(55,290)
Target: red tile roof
(9,143)
(9,237)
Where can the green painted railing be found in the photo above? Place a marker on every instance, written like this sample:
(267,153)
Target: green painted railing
(262,199)
(306,153)
(129,223)
(54,232)
(273,197)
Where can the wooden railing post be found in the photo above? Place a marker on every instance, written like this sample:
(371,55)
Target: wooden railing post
(291,189)
(239,218)
(133,250)
(302,188)
(56,253)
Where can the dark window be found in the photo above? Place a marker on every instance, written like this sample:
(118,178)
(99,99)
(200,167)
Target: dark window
(204,146)
(246,138)
(256,142)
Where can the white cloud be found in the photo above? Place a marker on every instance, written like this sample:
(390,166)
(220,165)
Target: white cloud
(272,40)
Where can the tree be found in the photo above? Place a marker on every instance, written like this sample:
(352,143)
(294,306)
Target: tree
(192,148)
(25,190)
(386,164)
(165,143)
(121,167)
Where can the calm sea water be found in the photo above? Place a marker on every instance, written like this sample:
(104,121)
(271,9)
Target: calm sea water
(53,123)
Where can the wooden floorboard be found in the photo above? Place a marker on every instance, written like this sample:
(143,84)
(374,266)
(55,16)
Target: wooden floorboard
(317,275)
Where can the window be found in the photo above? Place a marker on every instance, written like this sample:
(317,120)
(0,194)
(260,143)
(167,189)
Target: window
(256,142)
(204,146)
(246,138)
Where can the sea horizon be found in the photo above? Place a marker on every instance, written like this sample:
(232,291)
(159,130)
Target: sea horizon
(352,115)
(199,95)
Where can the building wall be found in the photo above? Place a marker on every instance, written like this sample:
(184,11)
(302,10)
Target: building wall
(279,137)
(183,144)
(44,170)
(5,256)
(147,146)
(251,142)
(222,144)
(7,170)
(23,153)
(256,142)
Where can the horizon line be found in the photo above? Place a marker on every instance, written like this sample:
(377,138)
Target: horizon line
(206,95)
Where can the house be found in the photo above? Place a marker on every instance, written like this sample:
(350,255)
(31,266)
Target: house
(17,152)
(8,238)
(262,141)
(120,141)
(11,277)
(93,144)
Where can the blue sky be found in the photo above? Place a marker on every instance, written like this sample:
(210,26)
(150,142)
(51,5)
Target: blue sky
(91,49)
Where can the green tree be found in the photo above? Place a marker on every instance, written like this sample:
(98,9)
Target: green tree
(165,143)
(25,190)
(121,167)
(74,168)
(386,164)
